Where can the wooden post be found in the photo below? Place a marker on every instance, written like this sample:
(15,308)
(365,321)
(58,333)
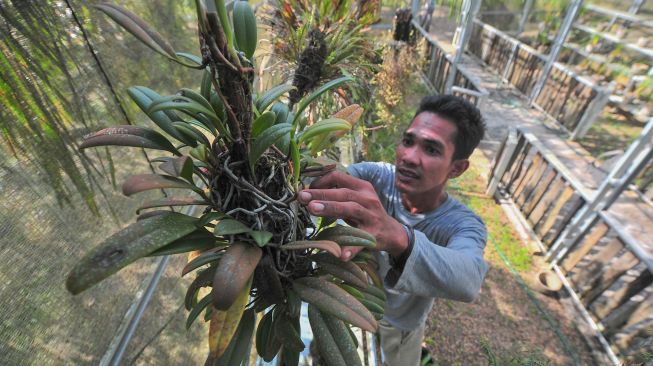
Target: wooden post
(511,60)
(593,110)
(433,63)
(502,163)
(526,12)
(572,11)
(467,15)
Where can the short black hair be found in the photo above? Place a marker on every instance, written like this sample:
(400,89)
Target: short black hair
(469,123)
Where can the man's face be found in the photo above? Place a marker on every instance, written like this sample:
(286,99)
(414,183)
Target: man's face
(424,156)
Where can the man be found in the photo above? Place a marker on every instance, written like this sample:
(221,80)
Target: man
(429,244)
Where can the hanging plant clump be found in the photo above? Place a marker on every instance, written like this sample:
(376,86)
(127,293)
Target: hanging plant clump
(240,156)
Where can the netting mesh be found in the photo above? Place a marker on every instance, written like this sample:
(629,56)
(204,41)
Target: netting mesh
(56,202)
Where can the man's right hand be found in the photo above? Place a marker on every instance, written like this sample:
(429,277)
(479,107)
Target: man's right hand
(354,200)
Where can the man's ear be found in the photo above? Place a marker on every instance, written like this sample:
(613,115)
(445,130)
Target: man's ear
(458,167)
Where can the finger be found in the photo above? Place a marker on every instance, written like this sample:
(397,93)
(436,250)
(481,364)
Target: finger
(338,179)
(350,211)
(334,194)
(349,252)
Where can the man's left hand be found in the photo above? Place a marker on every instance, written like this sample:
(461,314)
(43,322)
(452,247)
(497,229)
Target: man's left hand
(354,200)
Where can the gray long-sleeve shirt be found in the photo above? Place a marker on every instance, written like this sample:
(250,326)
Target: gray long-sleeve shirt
(446,260)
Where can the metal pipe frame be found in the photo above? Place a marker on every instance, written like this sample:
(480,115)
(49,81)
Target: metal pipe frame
(630,17)
(414,7)
(593,110)
(568,21)
(134,314)
(628,167)
(526,12)
(467,15)
(647,52)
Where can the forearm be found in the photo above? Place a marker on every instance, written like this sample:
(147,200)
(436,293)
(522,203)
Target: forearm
(435,271)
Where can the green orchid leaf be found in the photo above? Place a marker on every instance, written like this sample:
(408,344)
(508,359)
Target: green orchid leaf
(149,214)
(181,103)
(143,98)
(281,111)
(193,59)
(208,217)
(205,89)
(124,247)
(239,345)
(197,310)
(263,122)
(266,139)
(324,127)
(230,227)
(172,201)
(272,95)
(244,23)
(198,240)
(261,237)
(189,131)
(138,27)
(199,152)
(201,260)
(306,101)
(179,167)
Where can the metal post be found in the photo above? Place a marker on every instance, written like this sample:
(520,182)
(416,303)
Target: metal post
(526,12)
(593,110)
(467,15)
(634,9)
(425,22)
(502,162)
(628,167)
(128,333)
(572,11)
(117,347)
(636,6)
(414,8)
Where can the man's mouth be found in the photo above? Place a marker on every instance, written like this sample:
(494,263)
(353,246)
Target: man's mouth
(406,174)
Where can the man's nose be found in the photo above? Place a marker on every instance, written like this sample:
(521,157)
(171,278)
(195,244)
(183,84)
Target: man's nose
(410,155)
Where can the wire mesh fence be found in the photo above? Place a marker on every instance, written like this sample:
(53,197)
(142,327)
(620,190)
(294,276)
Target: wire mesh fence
(64,70)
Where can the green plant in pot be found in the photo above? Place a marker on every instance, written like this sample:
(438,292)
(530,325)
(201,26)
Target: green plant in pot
(241,157)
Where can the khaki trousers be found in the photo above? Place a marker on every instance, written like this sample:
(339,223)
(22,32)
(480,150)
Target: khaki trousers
(401,348)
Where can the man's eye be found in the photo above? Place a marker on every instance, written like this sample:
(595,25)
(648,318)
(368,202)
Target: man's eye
(431,150)
(406,141)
